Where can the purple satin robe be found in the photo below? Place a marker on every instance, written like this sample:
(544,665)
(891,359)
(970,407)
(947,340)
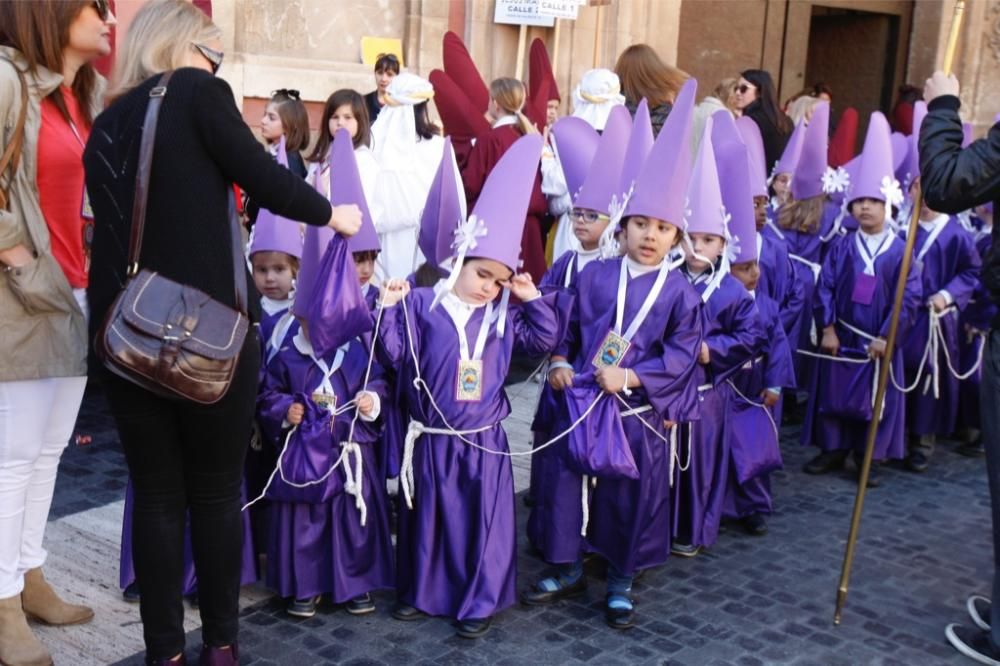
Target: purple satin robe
(321,548)
(456,548)
(778,281)
(630,520)
(735,336)
(834,305)
(951,264)
(977,316)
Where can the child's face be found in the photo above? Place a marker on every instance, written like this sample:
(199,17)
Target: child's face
(480,280)
(984,213)
(364,263)
(343,118)
(760,212)
(870,214)
(271,127)
(273,274)
(588,225)
(552,111)
(709,246)
(647,239)
(781,184)
(747,272)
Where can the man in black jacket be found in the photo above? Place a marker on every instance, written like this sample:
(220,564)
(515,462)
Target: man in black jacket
(954,180)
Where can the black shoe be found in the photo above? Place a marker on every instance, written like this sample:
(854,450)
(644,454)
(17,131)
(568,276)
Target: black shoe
(973,449)
(979,610)
(303,607)
(474,628)
(682,549)
(528,500)
(131,593)
(536,596)
(973,643)
(360,605)
(192,600)
(874,473)
(755,524)
(407,613)
(619,618)
(916,462)
(828,461)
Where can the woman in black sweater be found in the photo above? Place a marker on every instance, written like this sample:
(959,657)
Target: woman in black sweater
(757,99)
(183,457)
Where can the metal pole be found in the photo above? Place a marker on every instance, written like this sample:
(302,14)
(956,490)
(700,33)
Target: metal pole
(890,346)
(522,38)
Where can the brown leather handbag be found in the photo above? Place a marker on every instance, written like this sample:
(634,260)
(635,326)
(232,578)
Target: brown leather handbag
(163,336)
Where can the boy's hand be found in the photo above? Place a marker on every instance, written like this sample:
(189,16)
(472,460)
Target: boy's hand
(703,356)
(295,414)
(560,378)
(522,286)
(365,402)
(770,397)
(830,343)
(877,348)
(611,378)
(394,291)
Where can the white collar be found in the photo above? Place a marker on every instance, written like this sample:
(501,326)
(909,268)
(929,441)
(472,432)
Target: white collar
(510,119)
(930,224)
(272,306)
(459,311)
(873,240)
(753,293)
(636,269)
(302,344)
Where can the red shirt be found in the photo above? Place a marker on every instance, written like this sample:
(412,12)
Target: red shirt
(60,185)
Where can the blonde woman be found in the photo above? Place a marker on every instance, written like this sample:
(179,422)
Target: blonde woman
(723,98)
(509,124)
(183,458)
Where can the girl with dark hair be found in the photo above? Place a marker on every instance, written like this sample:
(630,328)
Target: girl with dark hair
(408,148)
(756,98)
(46,51)
(386,69)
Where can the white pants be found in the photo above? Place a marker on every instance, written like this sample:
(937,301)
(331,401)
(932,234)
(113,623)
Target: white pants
(36,421)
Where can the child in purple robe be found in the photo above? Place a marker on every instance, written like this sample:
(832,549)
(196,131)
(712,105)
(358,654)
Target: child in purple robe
(948,264)
(590,215)
(853,308)
(974,326)
(734,335)
(452,347)
(633,341)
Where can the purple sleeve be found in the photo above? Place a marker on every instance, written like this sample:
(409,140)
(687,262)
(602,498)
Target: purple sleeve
(391,345)
(669,378)
(825,305)
(274,399)
(795,296)
(912,302)
(733,338)
(967,268)
(536,324)
(779,368)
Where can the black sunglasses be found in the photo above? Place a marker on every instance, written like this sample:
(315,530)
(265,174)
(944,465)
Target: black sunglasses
(286,92)
(742,89)
(103,9)
(211,55)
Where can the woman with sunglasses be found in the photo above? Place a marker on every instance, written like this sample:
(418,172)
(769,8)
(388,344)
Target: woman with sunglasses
(757,99)
(185,459)
(46,78)
(386,69)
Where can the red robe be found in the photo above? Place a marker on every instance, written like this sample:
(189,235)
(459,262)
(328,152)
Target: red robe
(484,155)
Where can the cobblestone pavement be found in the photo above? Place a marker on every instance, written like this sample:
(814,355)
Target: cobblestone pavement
(924,548)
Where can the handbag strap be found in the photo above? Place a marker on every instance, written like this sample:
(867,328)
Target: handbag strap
(12,154)
(156,95)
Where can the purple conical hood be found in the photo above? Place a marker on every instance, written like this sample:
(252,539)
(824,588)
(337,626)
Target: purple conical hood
(662,183)
(273,233)
(968,133)
(790,158)
(911,167)
(704,211)
(601,183)
(443,211)
(640,142)
(755,154)
(735,173)
(313,247)
(345,188)
(494,229)
(900,147)
(808,179)
(875,174)
(576,142)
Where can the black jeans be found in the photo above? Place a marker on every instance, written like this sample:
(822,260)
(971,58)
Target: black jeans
(989,402)
(185,457)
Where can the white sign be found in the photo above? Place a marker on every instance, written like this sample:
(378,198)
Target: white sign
(560,9)
(522,12)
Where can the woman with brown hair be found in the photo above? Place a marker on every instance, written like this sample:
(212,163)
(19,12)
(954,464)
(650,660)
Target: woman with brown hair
(49,94)
(185,459)
(643,74)
(509,124)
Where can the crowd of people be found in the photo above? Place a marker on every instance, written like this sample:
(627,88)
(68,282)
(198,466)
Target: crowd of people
(693,265)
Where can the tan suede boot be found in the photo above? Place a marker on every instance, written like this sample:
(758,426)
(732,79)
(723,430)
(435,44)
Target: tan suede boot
(40,602)
(18,645)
